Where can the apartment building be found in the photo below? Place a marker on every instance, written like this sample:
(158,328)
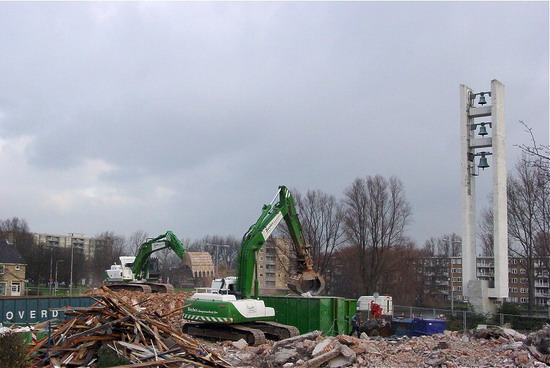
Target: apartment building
(443,277)
(78,242)
(273,264)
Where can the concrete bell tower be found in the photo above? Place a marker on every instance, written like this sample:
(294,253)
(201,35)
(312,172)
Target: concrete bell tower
(483,136)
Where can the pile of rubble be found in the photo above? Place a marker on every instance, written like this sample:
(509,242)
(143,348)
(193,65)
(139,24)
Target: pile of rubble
(451,349)
(166,306)
(131,331)
(146,329)
(538,344)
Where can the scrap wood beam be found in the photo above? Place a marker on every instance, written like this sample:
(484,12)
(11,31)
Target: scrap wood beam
(98,328)
(67,326)
(162,354)
(96,338)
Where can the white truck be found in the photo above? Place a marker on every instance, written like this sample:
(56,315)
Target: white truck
(385,302)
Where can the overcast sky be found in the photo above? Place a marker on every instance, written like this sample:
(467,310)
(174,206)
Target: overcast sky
(186,116)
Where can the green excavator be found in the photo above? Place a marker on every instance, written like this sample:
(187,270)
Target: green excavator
(141,272)
(231,309)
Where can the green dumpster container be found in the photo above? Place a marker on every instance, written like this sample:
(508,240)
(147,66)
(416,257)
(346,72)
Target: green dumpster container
(332,315)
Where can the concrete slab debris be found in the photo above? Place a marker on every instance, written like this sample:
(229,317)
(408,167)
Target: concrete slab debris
(241,344)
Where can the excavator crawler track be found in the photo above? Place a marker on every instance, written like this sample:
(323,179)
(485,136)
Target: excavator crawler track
(157,287)
(251,335)
(145,287)
(274,330)
(130,287)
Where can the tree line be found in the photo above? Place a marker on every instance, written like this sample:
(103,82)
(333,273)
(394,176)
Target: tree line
(359,241)
(46,263)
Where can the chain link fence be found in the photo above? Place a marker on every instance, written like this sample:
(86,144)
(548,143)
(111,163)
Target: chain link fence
(461,320)
(52,291)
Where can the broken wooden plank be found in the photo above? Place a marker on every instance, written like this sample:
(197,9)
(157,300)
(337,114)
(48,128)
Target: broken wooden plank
(98,328)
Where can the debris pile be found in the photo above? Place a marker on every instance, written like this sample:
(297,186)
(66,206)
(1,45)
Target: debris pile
(14,328)
(451,349)
(145,328)
(166,306)
(133,332)
(498,332)
(538,344)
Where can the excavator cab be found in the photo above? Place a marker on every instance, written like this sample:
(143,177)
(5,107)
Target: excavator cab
(153,269)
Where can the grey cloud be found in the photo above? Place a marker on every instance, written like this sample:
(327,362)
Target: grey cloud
(218,101)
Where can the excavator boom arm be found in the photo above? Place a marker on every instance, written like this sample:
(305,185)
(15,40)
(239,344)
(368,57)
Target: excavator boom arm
(166,240)
(257,235)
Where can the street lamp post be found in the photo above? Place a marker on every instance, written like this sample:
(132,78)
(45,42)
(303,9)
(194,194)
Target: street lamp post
(56,264)
(216,262)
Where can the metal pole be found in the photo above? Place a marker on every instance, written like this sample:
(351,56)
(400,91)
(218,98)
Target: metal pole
(51,269)
(71,282)
(56,264)
(49,338)
(216,263)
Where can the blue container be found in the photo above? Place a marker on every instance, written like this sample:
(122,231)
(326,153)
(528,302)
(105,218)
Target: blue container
(420,327)
(401,326)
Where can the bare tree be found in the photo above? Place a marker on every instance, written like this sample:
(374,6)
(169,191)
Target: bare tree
(528,192)
(402,281)
(449,245)
(321,216)
(434,265)
(485,232)
(430,247)
(223,249)
(15,225)
(375,220)
(539,153)
(108,248)
(136,239)
(345,273)
(16,231)
(168,263)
